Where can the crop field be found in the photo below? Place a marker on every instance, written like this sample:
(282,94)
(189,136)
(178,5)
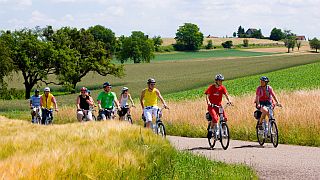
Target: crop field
(218,41)
(100,151)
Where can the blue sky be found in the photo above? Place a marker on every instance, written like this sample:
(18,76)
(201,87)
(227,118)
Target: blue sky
(163,17)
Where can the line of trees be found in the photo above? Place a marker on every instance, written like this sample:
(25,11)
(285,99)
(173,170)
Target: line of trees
(68,53)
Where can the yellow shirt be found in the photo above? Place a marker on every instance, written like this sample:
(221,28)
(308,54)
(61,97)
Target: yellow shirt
(150,98)
(47,102)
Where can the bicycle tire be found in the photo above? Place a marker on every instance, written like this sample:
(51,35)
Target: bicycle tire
(260,136)
(129,119)
(274,136)
(161,130)
(224,135)
(212,140)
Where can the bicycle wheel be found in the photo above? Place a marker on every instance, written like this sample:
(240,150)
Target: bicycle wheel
(161,130)
(129,119)
(211,140)
(224,135)
(274,133)
(260,135)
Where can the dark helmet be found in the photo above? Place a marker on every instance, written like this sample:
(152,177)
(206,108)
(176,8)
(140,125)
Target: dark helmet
(36,91)
(106,84)
(88,91)
(219,77)
(264,78)
(151,80)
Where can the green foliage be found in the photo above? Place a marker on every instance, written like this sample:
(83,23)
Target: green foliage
(276,34)
(227,44)
(257,34)
(298,43)
(188,37)
(209,45)
(245,43)
(78,54)
(157,41)
(137,47)
(314,44)
(168,48)
(234,34)
(105,35)
(30,54)
(241,32)
(290,40)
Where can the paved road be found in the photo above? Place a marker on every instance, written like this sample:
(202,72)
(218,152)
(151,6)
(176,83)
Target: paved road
(283,162)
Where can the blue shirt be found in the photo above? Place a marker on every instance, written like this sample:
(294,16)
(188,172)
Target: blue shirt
(35,100)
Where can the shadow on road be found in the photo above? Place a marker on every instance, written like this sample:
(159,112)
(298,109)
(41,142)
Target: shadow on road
(202,148)
(249,146)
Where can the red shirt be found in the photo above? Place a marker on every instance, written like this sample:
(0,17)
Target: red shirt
(215,94)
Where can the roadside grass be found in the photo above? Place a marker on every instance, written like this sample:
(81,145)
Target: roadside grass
(100,150)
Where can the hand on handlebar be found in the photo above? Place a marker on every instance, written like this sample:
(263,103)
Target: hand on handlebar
(279,105)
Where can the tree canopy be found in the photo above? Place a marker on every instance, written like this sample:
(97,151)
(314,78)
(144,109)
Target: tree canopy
(188,37)
(276,34)
(314,44)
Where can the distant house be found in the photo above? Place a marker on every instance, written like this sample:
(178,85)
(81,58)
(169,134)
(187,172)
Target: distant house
(302,38)
(250,31)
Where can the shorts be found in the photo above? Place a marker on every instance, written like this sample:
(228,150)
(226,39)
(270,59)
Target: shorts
(149,111)
(88,114)
(123,111)
(107,113)
(214,113)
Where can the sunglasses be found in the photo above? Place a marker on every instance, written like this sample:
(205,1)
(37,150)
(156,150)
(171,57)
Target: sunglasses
(152,84)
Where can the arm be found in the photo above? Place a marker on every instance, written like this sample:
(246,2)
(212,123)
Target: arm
(131,100)
(141,99)
(228,99)
(89,101)
(161,98)
(207,99)
(78,103)
(55,103)
(30,103)
(41,101)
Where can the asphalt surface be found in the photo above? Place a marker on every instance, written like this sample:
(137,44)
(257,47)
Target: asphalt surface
(283,162)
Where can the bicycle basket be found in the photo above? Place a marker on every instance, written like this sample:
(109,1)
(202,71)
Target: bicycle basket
(208,116)
(257,114)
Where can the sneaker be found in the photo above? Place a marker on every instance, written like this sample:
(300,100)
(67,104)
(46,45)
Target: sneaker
(209,135)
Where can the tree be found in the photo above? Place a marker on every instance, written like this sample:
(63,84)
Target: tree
(290,39)
(105,35)
(209,45)
(137,47)
(276,34)
(314,44)
(6,63)
(227,44)
(78,54)
(157,41)
(188,37)
(257,34)
(30,55)
(234,34)
(298,43)
(241,32)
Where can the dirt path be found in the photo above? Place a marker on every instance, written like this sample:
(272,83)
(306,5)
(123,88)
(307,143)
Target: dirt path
(283,162)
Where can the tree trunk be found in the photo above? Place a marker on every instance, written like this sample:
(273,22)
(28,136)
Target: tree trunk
(28,88)
(288,50)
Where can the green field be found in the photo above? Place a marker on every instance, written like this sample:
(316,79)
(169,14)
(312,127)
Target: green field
(221,53)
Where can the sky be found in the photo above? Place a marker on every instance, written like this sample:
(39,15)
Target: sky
(163,17)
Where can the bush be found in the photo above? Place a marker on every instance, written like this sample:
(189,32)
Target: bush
(245,43)
(209,45)
(227,44)
(9,94)
(168,48)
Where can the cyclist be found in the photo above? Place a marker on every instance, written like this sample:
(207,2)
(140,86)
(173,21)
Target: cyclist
(35,105)
(148,101)
(83,105)
(106,100)
(125,96)
(214,95)
(264,96)
(47,101)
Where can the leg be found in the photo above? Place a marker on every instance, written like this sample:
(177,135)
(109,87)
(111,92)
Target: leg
(264,111)
(80,115)
(89,115)
(148,115)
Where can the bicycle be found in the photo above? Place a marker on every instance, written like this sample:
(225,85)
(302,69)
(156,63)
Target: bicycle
(48,116)
(158,127)
(124,113)
(221,134)
(37,118)
(269,130)
(85,113)
(109,113)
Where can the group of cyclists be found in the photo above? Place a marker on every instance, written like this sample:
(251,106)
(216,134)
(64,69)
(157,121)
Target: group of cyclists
(107,101)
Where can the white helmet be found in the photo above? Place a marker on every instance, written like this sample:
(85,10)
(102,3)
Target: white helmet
(124,89)
(46,89)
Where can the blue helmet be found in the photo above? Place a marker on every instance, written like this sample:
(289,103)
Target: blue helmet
(264,78)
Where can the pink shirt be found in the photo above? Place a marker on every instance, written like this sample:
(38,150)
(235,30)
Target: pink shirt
(263,94)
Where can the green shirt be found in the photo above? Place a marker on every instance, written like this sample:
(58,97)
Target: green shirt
(107,99)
